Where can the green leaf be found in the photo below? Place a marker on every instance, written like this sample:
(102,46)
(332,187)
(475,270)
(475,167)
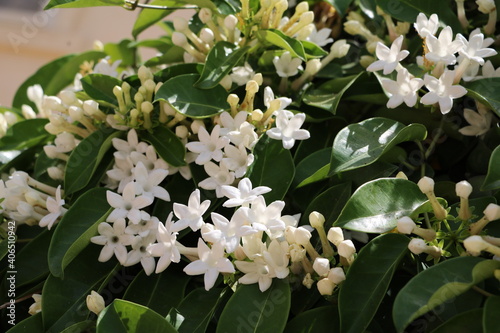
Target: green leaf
(76,228)
(197,309)
(318,320)
(32,324)
(100,87)
(486,92)
(363,143)
(329,203)
(437,285)
(167,145)
(279,39)
(251,310)
(325,99)
(221,59)
(159,292)
(193,102)
(492,180)
(20,161)
(174,54)
(407,10)
(148,17)
(313,168)
(341,6)
(368,279)
(124,316)
(85,159)
(468,321)
(31,260)
(490,315)
(64,299)
(273,167)
(377,205)
(82,3)
(83,326)
(25,134)
(312,50)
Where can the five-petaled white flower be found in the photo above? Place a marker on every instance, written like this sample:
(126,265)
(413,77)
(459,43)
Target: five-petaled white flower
(55,208)
(114,240)
(210,145)
(147,183)
(442,91)
(288,128)
(243,195)
(287,66)
(405,89)
(426,27)
(320,37)
(140,254)
(388,58)
(473,48)
(443,48)
(212,262)
(128,204)
(166,247)
(480,121)
(192,214)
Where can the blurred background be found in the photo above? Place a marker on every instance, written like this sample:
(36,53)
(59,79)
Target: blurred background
(31,37)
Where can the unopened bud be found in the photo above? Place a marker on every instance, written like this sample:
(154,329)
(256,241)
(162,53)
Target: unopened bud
(336,275)
(321,266)
(95,302)
(346,248)
(325,287)
(492,212)
(316,220)
(406,225)
(335,235)
(426,185)
(463,189)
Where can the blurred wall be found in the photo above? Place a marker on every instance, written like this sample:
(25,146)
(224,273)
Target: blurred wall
(29,39)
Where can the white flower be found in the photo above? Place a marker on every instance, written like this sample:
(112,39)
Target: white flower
(114,240)
(242,74)
(104,66)
(243,195)
(489,71)
(192,214)
(211,263)
(227,233)
(277,258)
(480,122)
(127,205)
(321,266)
(267,218)
(95,302)
(486,6)
(473,48)
(147,182)
(288,128)
(245,135)
(269,97)
(37,306)
(321,37)
(426,27)
(228,123)
(444,47)
(140,254)
(237,159)
(55,208)
(442,91)
(144,227)
(218,176)
(209,147)
(124,148)
(121,172)
(388,58)
(256,271)
(405,89)
(166,247)
(286,66)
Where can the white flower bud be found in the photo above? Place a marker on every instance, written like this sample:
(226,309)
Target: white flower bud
(346,248)
(37,306)
(340,48)
(335,235)
(297,252)
(252,87)
(182,131)
(463,189)
(205,15)
(417,246)
(426,185)
(257,115)
(325,286)
(302,236)
(486,6)
(144,74)
(258,78)
(28,112)
(233,99)
(316,220)
(336,275)
(195,126)
(313,66)
(475,244)
(321,266)
(492,212)
(95,302)
(230,22)
(302,8)
(226,82)
(68,97)
(55,173)
(91,107)
(406,225)
(180,23)
(179,39)
(207,35)
(401,175)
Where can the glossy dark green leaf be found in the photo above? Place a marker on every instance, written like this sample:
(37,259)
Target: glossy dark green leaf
(329,203)
(25,134)
(273,167)
(100,87)
(148,17)
(82,3)
(323,98)
(363,143)
(174,54)
(468,321)
(407,10)
(31,260)
(19,161)
(197,309)
(76,228)
(490,315)
(64,299)
(377,205)
(221,59)
(159,292)
(318,320)
(167,145)
(250,310)
(83,326)
(368,279)
(124,316)
(437,285)
(279,39)
(492,180)
(313,168)
(85,159)
(193,102)
(486,92)
(31,324)
(312,50)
